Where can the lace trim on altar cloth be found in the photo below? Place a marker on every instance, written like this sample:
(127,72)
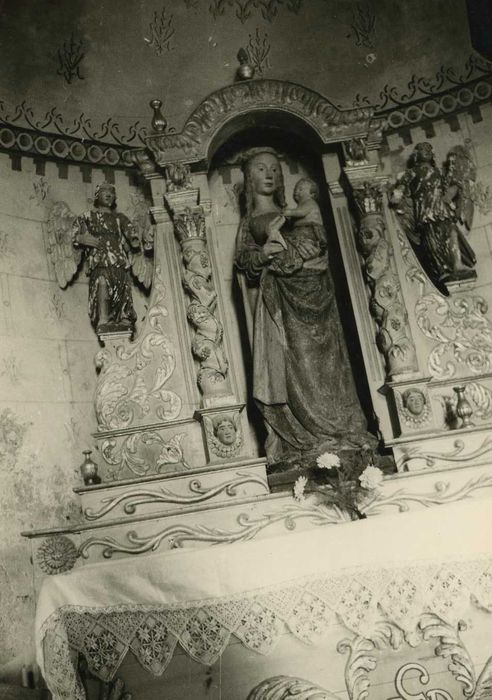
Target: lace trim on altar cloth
(358,600)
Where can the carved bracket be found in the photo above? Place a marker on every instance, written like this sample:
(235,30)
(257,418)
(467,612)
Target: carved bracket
(222,432)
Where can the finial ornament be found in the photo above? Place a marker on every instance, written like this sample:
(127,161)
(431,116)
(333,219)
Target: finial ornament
(159,122)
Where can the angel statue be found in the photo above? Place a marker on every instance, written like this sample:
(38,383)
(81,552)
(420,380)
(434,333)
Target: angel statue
(432,205)
(112,245)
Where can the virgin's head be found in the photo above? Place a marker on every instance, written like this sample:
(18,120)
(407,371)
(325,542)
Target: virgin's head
(263,176)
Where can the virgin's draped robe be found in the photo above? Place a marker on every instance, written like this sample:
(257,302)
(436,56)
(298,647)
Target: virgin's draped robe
(302,379)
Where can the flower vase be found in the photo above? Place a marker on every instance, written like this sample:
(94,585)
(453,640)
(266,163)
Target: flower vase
(88,469)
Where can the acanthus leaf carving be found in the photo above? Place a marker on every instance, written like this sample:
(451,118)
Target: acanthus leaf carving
(461,331)
(289,687)
(122,392)
(450,647)
(131,455)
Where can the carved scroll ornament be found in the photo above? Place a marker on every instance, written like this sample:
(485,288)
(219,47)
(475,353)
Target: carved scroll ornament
(386,305)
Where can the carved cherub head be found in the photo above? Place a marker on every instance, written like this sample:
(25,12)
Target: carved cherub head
(414,401)
(225,429)
(370,232)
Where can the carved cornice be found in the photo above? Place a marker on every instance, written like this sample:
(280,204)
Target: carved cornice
(80,140)
(192,143)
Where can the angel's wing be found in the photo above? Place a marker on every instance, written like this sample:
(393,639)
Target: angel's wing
(460,174)
(142,262)
(65,258)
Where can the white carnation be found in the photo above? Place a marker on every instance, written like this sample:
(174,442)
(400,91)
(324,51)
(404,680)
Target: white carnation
(299,488)
(371,478)
(328,460)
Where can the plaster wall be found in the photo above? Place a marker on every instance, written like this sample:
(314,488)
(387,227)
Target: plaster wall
(47,379)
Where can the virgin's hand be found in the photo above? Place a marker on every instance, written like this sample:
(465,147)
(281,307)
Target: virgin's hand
(272,248)
(308,249)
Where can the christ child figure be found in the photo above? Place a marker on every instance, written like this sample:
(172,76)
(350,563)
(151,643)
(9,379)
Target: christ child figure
(304,237)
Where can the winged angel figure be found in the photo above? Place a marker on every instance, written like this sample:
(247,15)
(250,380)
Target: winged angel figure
(433,205)
(112,246)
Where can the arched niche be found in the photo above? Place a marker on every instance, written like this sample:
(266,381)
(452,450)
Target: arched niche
(255,113)
(235,107)
(301,155)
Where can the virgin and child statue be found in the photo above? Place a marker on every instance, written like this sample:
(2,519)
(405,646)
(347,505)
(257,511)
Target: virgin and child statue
(302,378)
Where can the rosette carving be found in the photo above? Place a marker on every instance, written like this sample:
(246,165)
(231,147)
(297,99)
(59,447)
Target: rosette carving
(56,555)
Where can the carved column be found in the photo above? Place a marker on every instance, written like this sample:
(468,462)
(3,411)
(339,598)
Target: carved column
(202,311)
(386,303)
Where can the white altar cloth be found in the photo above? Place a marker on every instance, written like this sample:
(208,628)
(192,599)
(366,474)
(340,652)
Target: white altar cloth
(395,567)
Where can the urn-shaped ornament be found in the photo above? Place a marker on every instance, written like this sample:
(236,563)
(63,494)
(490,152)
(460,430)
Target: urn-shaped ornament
(245,71)
(159,121)
(464,411)
(88,469)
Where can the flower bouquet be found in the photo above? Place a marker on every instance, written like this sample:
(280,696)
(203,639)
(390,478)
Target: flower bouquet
(339,485)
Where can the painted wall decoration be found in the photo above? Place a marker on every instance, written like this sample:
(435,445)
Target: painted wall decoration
(258,51)
(81,126)
(161,31)
(70,55)
(423,87)
(364,24)
(245,9)
(12,433)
